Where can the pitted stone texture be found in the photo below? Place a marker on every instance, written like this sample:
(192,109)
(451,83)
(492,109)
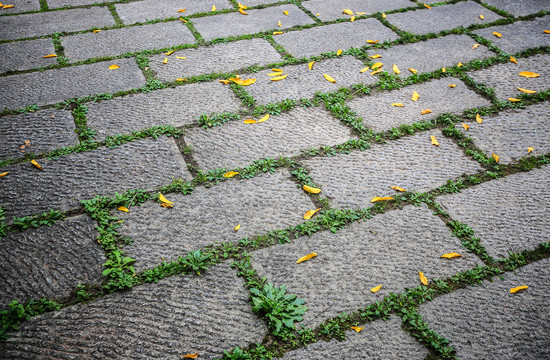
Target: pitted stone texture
(237,144)
(217,58)
(510,214)
(46,130)
(520,8)
(131,39)
(413,163)
(250,3)
(177,106)
(45,23)
(53,86)
(56,4)
(24,55)
(378,113)
(49,261)
(382,250)
(490,323)
(332,9)
(304,83)
(519,36)
(440,18)
(145,164)
(431,55)
(21,6)
(317,40)
(261,204)
(165,320)
(505,80)
(234,24)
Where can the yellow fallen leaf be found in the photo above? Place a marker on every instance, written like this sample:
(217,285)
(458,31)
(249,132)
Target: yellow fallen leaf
(96,31)
(452,85)
(165,200)
(311,190)
(230,174)
(285,12)
(277,32)
(414,71)
(310,65)
(242,11)
(352,19)
(170,52)
(496,157)
(383,15)
(305,258)
(376,65)
(277,78)
(475,46)
(181,57)
(497,34)
(7,6)
(529,74)
(317,14)
(213,8)
(182,19)
(396,69)
(514,100)
(4,174)
(49,56)
(443,69)
(360,13)
(481,17)
(529,149)
(372,41)
(182,10)
(465,126)
(274,74)
(329,78)
(264,118)
(427,6)
(37,165)
(434,140)
(279,24)
(377,56)
(113,67)
(526,91)
(415,96)
(513,59)
(364,69)
(237,227)
(241,6)
(516,289)
(459,64)
(427,111)
(479,119)
(192,356)
(165,61)
(248,82)
(357,328)
(277,70)
(376,199)
(249,121)
(165,205)
(397,188)
(376,289)
(546,31)
(224,81)
(451,255)
(123,208)
(339,52)
(397,105)
(423,279)
(376,71)
(310,213)
(347,11)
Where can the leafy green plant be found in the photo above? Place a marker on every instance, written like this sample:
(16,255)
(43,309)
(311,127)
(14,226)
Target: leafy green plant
(236,354)
(11,318)
(197,261)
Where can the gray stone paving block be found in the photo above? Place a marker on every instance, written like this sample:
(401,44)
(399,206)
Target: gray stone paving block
(520,8)
(165,320)
(24,55)
(131,39)
(49,261)
(388,249)
(505,80)
(314,41)
(173,106)
(29,25)
(234,24)
(332,9)
(510,214)
(378,340)
(46,130)
(56,4)
(208,215)
(145,164)
(237,144)
(378,113)
(141,11)
(440,18)
(20,6)
(217,58)
(490,323)
(56,85)
(304,83)
(519,36)
(413,163)
(431,55)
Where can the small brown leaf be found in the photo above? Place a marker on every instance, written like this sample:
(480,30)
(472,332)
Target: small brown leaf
(397,105)
(529,74)
(329,78)
(514,100)
(347,12)
(427,111)
(364,69)
(513,59)
(310,65)
(376,65)
(496,157)
(397,188)
(475,46)
(372,41)
(310,213)
(529,150)
(49,56)
(414,71)
(339,52)
(497,34)
(451,255)
(465,126)
(376,71)
(479,119)
(423,279)
(237,227)
(377,199)
(264,118)
(277,78)
(249,121)
(452,85)
(113,67)
(376,289)
(396,69)
(230,174)
(4,174)
(165,61)
(123,208)
(194,356)
(37,165)
(311,190)
(526,91)
(305,258)
(415,96)
(434,140)
(377,56)
(427,6)
(242,11)
(518,288)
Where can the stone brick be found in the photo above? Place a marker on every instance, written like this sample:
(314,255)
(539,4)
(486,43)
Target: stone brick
(21,6)
(251,3)
(510,214)
(24,55)
(217,58)
(378,113)
(382,250)
(55,4)
(520,8)
(332,9)
(237,144)
(490,323)
(56,85)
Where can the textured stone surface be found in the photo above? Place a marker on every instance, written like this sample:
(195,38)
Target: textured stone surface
(46,130)
(382,250)
(490,323)
(49,261)
(234,24)
(145,164)
(520,8)
(21,6)
(26,55)
(165,320)
(57,85)
(214,59)
(413,163)
(446,17)
(304,83)
(378,113)
(317,40)
(237,144)
(431,55)
(173,106)
(263,203)
(519,36)
(131,39)
(29,25)
(510,214)
(505,80)
(55,4)
(332,9)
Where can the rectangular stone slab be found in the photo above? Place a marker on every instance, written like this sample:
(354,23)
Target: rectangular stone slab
(177,106)
(412,162)
(378,113)
(235,24)
(56,85)
(263,203)
(440,18)
(520,8)
(166,320)
(490,323)
(55,4)
(24,55)
(332,9)
(131,39)
(345,35)
(509,214)
(217,58)
(236,144)
(388,249)
(146,164)
(20,6)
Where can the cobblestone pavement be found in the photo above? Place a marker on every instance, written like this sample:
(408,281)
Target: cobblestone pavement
(166,165)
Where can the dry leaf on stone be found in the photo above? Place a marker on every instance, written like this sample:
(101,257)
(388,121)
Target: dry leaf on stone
(451,255)
(347,12)
(242,11)
(165,200)
(481,17)
(513,59)
(364,69)
(397,105)
(360,13)
(376,289)
(277,70)
(526,91)
(427,6)
(310,65)
(423,279)
(414,71)
(415,96)
(224,81)
(96,31)
(265,118)
(237,227)
(213,8)
(546,31)
(230,174)
(518,288)
(376,199)
(434,140)
(376,56)
(376,65)
(465,126)
(49,56)
(397,188)
(357,328)
(459,64)
(4,174)
(182,19)
(383,15)
(165,61)
(443,69)
(452,85)
(427,111)
(529,74)
(123,208)
(514,100)
(310,213)
(497,34)
(376,71)
(191,356)
(475,46)
(372,41)
(279,24)
(305,258)
(277,32)
(170,52)
(329,78)
(285,12)
(181,57)
(529,150)
(37,165)
(396,69)
(249,121)
(339,52)
(180,79)
(496,157)
(277,78)
(248,82)
(479,119)
(311,190)
(352,19)
(113,67)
